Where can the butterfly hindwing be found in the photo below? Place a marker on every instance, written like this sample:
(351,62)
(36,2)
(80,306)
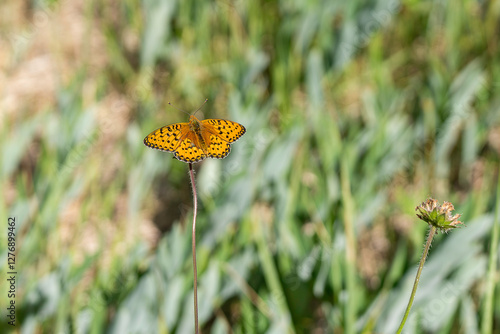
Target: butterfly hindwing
(188,152)
(218,148)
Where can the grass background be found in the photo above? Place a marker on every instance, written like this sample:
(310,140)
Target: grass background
(355,112)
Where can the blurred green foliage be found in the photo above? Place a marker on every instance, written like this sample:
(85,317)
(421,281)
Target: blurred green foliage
(355,112)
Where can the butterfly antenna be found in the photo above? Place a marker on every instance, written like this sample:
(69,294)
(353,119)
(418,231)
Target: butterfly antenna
(178,109)
(200,106)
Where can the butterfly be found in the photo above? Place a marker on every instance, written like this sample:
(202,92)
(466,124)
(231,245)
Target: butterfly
(196,140)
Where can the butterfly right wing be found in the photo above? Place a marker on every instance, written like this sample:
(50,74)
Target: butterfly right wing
(167,138)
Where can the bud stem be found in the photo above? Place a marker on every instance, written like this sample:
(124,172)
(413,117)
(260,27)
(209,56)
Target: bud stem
(432,232)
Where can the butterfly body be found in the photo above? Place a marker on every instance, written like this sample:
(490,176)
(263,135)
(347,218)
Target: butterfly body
(196,140)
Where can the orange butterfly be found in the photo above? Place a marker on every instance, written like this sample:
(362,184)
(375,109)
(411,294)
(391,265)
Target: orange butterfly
(196,140)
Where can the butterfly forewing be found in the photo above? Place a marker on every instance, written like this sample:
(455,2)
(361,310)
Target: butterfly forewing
(227,130)
(167,138)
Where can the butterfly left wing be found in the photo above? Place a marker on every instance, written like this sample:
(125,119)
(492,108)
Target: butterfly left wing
(228,131)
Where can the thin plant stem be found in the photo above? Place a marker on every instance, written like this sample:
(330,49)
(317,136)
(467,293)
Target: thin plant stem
(487,320)
(195,272)
(432,232)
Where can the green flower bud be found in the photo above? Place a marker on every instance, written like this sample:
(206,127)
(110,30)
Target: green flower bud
(439,216)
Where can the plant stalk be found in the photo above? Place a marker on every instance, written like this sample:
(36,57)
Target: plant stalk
(195,271)
(432,232)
